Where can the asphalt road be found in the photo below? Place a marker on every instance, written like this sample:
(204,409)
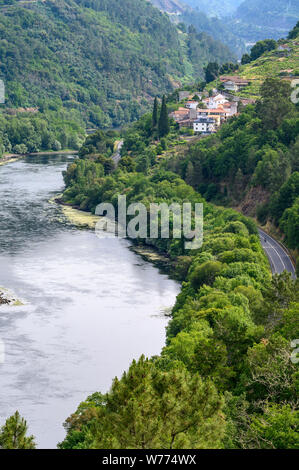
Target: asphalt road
(278,256)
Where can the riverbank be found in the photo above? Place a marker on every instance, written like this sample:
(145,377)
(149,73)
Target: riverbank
(84,219)
(9,159)
(90,305)
(12,157)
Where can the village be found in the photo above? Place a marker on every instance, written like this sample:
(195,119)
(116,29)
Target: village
(204,113)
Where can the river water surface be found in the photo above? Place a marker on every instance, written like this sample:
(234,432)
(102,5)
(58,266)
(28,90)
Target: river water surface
(90,305)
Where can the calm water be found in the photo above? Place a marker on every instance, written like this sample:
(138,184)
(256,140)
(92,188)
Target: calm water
(90,305)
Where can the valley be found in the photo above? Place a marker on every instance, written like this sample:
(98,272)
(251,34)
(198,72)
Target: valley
(176,331)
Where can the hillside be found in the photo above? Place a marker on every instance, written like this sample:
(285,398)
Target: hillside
(224,378)
(281,62)
(252,162)
(215,8)
(91,57)
(170,6)
(235,23)
(257,19)
(199,18)
(277,63)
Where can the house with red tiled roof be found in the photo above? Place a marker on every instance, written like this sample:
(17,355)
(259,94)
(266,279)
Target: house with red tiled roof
(232,83)
(180,114)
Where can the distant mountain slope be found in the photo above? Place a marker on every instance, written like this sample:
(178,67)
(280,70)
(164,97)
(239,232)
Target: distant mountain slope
(257,19)
(170,6)
(236,23)
(215,27)
(92,57)
(218,8)
(218,28)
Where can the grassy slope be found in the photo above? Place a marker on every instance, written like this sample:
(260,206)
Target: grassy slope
(271,64)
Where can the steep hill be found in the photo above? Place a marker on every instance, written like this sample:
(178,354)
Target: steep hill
(252,163)
(170,6)
(282,62)
(96,58)
(257,19)
(215,8)
(205,17)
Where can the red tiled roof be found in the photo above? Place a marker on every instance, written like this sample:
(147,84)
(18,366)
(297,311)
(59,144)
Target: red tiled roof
(237,80)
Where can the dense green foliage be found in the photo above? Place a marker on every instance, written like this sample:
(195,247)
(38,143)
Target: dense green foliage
(258,149)
(95,58)
(205,16)
(163,124)
(215,8)
(294,32)
(228,341)
(149,409)
(258,50)
(217,28)
(33,132)
(13,434)
(224,378)
(213,70)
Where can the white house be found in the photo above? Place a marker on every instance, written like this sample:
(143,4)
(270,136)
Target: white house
(216,101)
(205,125)
(191,104)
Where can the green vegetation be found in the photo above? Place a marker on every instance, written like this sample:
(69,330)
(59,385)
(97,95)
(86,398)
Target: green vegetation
(33,132)
(163,124)
(215,8)
(259,49)
(225,370)
(225,378)
(217,28)
(275,63)
(96,61)
(236,23)
(13,434)
(148,409)
(257,151)
(266,59)
(213,70)
(295,32)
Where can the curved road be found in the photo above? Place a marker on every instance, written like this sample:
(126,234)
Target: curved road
(278,256)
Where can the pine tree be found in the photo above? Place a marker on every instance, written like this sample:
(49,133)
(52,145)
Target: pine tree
(13,434)
(164,127)
(149,408)
(155,114)
(189,178)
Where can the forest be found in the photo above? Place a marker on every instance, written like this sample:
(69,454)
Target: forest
(93,58)
(28,132)
(227,377)
(224,378)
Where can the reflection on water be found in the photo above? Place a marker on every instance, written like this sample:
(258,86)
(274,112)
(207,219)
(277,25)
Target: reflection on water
(90,305)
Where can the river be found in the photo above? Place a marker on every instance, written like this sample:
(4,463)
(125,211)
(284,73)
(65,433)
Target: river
(89,305)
